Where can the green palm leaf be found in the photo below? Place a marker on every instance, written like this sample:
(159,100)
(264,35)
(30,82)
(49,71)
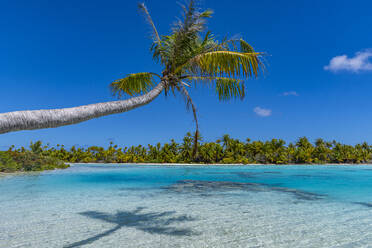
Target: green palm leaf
(226,88)
(222,63)
(245,47)
(134,84)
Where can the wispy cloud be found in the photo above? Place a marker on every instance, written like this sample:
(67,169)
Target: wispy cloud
(262,111)
(290,93)
(360,62)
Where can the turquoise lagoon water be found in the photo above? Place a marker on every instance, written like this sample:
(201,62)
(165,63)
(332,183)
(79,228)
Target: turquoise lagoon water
(188,206)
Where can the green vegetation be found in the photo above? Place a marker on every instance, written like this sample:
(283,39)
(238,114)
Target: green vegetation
(224,151)
(34,159)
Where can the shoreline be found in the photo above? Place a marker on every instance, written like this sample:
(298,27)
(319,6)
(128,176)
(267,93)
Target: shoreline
(3,174)
(200,164)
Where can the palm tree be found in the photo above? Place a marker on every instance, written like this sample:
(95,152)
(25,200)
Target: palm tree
(189,55)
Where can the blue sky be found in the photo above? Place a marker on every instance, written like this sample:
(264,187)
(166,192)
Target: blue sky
(65,53)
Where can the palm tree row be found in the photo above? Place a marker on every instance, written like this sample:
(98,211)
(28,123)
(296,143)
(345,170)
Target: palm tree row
(223,151)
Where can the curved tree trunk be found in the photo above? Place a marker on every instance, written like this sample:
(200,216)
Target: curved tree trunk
(49,118)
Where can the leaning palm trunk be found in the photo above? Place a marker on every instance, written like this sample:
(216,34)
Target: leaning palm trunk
(49,118)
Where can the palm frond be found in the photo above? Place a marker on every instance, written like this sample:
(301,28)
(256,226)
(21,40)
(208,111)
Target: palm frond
(190,104)
(193,20)
(188,101)
(245,47)
(222,63)
(144,10)
(226,88)
(235,45)
(185,41)
(134,84)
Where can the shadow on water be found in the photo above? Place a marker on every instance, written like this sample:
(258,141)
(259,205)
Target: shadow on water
(365,204)
(203,187)
(151,222)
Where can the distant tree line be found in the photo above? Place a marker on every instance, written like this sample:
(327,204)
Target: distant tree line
(223,151)
(33,159)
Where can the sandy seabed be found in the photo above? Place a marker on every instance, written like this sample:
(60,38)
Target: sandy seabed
(78,208)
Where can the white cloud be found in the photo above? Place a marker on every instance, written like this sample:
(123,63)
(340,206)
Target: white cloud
(290,93)
(360,62)
(262,112)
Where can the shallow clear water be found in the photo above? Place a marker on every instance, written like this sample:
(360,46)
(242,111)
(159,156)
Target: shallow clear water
(188,206)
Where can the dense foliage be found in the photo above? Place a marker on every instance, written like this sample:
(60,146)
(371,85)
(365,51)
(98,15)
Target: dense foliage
(224,151)
(34,159)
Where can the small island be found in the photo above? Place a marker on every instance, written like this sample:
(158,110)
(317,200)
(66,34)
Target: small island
(226,150)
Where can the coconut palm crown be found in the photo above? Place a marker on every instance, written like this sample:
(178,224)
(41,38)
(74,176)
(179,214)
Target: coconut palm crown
(191,55)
